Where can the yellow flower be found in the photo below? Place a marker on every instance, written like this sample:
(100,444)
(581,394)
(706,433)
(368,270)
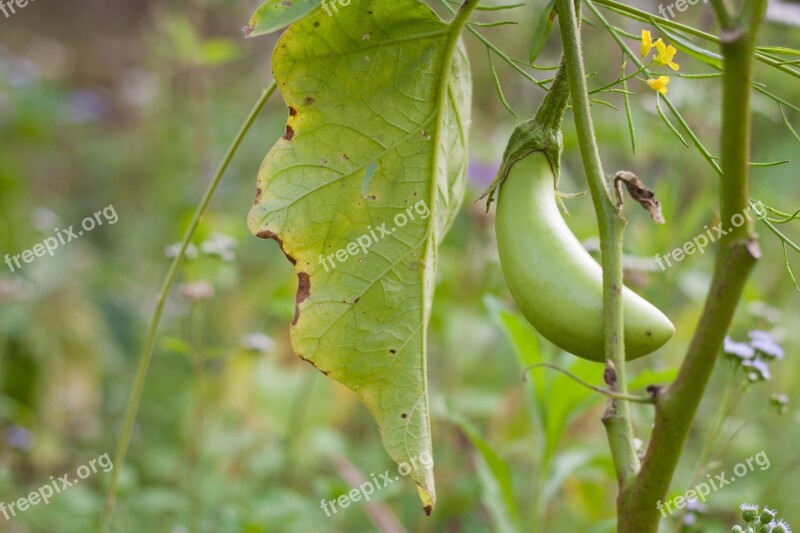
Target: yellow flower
(665,55)
(659,85)
(647,42)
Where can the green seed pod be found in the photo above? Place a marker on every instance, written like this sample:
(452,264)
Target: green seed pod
(556,283)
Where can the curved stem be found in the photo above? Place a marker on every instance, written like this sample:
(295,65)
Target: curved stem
(579,381)
(617,418)
(166,288)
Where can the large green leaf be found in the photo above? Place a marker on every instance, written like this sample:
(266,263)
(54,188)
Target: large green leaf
(378,101)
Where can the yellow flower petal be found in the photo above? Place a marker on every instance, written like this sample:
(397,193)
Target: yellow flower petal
(659,85)
(647,42)
(665,55)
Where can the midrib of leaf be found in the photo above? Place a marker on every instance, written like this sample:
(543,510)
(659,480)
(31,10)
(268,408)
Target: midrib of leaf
(428,277)
(444,92)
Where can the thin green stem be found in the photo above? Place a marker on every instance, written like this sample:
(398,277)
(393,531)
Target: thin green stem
(644,16)
(617,418)
(606,392)
(489,44)
(729,401)
(724,445)
(620,80)
(166,288)
(722,12)
(738,253)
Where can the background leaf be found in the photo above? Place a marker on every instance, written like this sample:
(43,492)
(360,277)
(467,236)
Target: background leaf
(542,32)
(275,15)
(495,477)
(385,83)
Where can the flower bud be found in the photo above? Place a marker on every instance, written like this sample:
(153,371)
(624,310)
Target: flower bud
(749,512)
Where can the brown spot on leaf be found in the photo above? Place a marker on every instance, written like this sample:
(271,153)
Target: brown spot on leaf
(316,24)
(308,100)
(303,293)
(248,30)
(274,236)
(403,415)
(392,351)
(289,135)
(428,509)
(292,111)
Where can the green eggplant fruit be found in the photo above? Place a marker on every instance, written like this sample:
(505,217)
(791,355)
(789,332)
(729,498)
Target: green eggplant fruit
(556,283)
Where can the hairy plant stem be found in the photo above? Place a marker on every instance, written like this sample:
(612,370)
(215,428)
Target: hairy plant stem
(737,255)
(166,288)
(612,225)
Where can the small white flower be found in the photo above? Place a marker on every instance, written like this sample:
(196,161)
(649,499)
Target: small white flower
(197,291)
(258,342)
(220,245)
(171,251)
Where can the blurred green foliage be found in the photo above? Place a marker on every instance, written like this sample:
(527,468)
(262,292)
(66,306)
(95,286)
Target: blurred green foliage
(132,104)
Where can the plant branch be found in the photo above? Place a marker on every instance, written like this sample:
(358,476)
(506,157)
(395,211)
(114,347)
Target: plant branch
(169,281)
(736,258)
(722,12)
(579,381)
(617,418)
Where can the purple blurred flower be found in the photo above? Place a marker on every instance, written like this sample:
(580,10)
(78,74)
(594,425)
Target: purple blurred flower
(18,437)
(765,344)
(742,350)
(760,369)
(480,174)
(87,106)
